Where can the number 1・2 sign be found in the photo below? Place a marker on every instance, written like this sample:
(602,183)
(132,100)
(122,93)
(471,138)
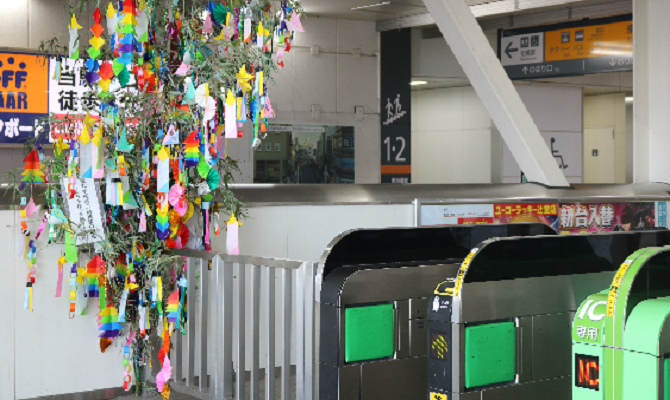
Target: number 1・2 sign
(396,95)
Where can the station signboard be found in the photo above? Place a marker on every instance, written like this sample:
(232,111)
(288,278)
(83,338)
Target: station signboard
(570,49)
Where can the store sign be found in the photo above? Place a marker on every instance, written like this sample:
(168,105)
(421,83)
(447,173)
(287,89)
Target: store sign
(396,106)
(33,87)
(605,217)
(584,47)
(23,95)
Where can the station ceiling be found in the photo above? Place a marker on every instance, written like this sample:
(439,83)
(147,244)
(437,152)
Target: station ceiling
(383,10)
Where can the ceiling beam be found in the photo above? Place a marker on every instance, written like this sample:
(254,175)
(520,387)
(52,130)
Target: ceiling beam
(509,18)
(494,88)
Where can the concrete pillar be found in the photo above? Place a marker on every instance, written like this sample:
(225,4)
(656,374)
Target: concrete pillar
(651,85)
(473,51)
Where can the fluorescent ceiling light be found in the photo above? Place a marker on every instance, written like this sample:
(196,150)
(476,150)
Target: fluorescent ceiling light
(629,100)
(417,83)
(385,3)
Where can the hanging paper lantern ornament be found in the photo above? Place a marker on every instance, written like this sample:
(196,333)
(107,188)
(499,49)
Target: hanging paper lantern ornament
(191,150)
(32,173)
(162,218)
(173,307)
(109,321)
(93,271)
(96,41)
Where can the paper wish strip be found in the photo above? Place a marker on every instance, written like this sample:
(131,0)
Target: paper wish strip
(85,211)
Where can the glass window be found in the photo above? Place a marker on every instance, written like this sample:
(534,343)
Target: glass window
(306,154)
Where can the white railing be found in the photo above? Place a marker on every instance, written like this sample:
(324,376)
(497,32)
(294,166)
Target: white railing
(224,301)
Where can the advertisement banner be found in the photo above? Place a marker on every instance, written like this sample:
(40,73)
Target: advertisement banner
(577,218)
(546,213)
(474,214)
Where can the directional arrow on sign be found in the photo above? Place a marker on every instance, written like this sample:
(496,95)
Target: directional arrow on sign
(612,62)
(509,50)
(525,70)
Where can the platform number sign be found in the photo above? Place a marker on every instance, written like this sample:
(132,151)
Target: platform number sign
(395,149)
(396,96)
(587,372)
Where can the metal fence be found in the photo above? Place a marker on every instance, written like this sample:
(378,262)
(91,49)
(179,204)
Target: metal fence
(222,309)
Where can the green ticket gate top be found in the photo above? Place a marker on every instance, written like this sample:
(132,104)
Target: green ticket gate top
(621,336)
(501,327)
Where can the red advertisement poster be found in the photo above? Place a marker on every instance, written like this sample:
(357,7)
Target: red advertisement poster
(546,213)
(575,218)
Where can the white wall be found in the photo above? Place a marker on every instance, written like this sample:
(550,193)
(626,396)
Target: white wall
(451,137)
(557,112)
(606,111)
(455,141)
(337,80)
(44,352)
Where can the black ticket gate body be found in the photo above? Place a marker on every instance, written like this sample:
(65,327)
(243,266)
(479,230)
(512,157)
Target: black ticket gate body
(373,301)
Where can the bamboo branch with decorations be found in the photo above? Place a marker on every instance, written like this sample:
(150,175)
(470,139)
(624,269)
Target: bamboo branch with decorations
(140,163)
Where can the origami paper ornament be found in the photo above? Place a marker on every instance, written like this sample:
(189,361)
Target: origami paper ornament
(164,375)
(32,173)
(143,222)
(176,198)
(191,150)
(73,46)
(112,18)
(294,24)
(30,209)
(183,70)
(124,77)
(172,136)
(232,238)
(109,320)
(268,112)
(56,216)
(201,95)
(207,26)
(162,218)
(123,144)
(129,202)
(203,168)
(210,110)
(220,14)
(142,27)
(173,307)
(244,79)
(213,179)
(189,91)
(163,170)
(93,271)
(230,116)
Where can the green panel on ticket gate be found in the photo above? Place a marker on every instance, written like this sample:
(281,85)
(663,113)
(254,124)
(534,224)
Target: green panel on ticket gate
(631,347)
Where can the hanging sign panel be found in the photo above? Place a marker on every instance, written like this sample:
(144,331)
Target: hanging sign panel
(396,96)
(579,48)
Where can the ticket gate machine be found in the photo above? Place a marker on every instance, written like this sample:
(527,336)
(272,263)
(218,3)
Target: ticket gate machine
(621,336)
(372,305)
(500,328)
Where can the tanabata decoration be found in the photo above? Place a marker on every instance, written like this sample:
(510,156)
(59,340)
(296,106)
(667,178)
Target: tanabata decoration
(166,84)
